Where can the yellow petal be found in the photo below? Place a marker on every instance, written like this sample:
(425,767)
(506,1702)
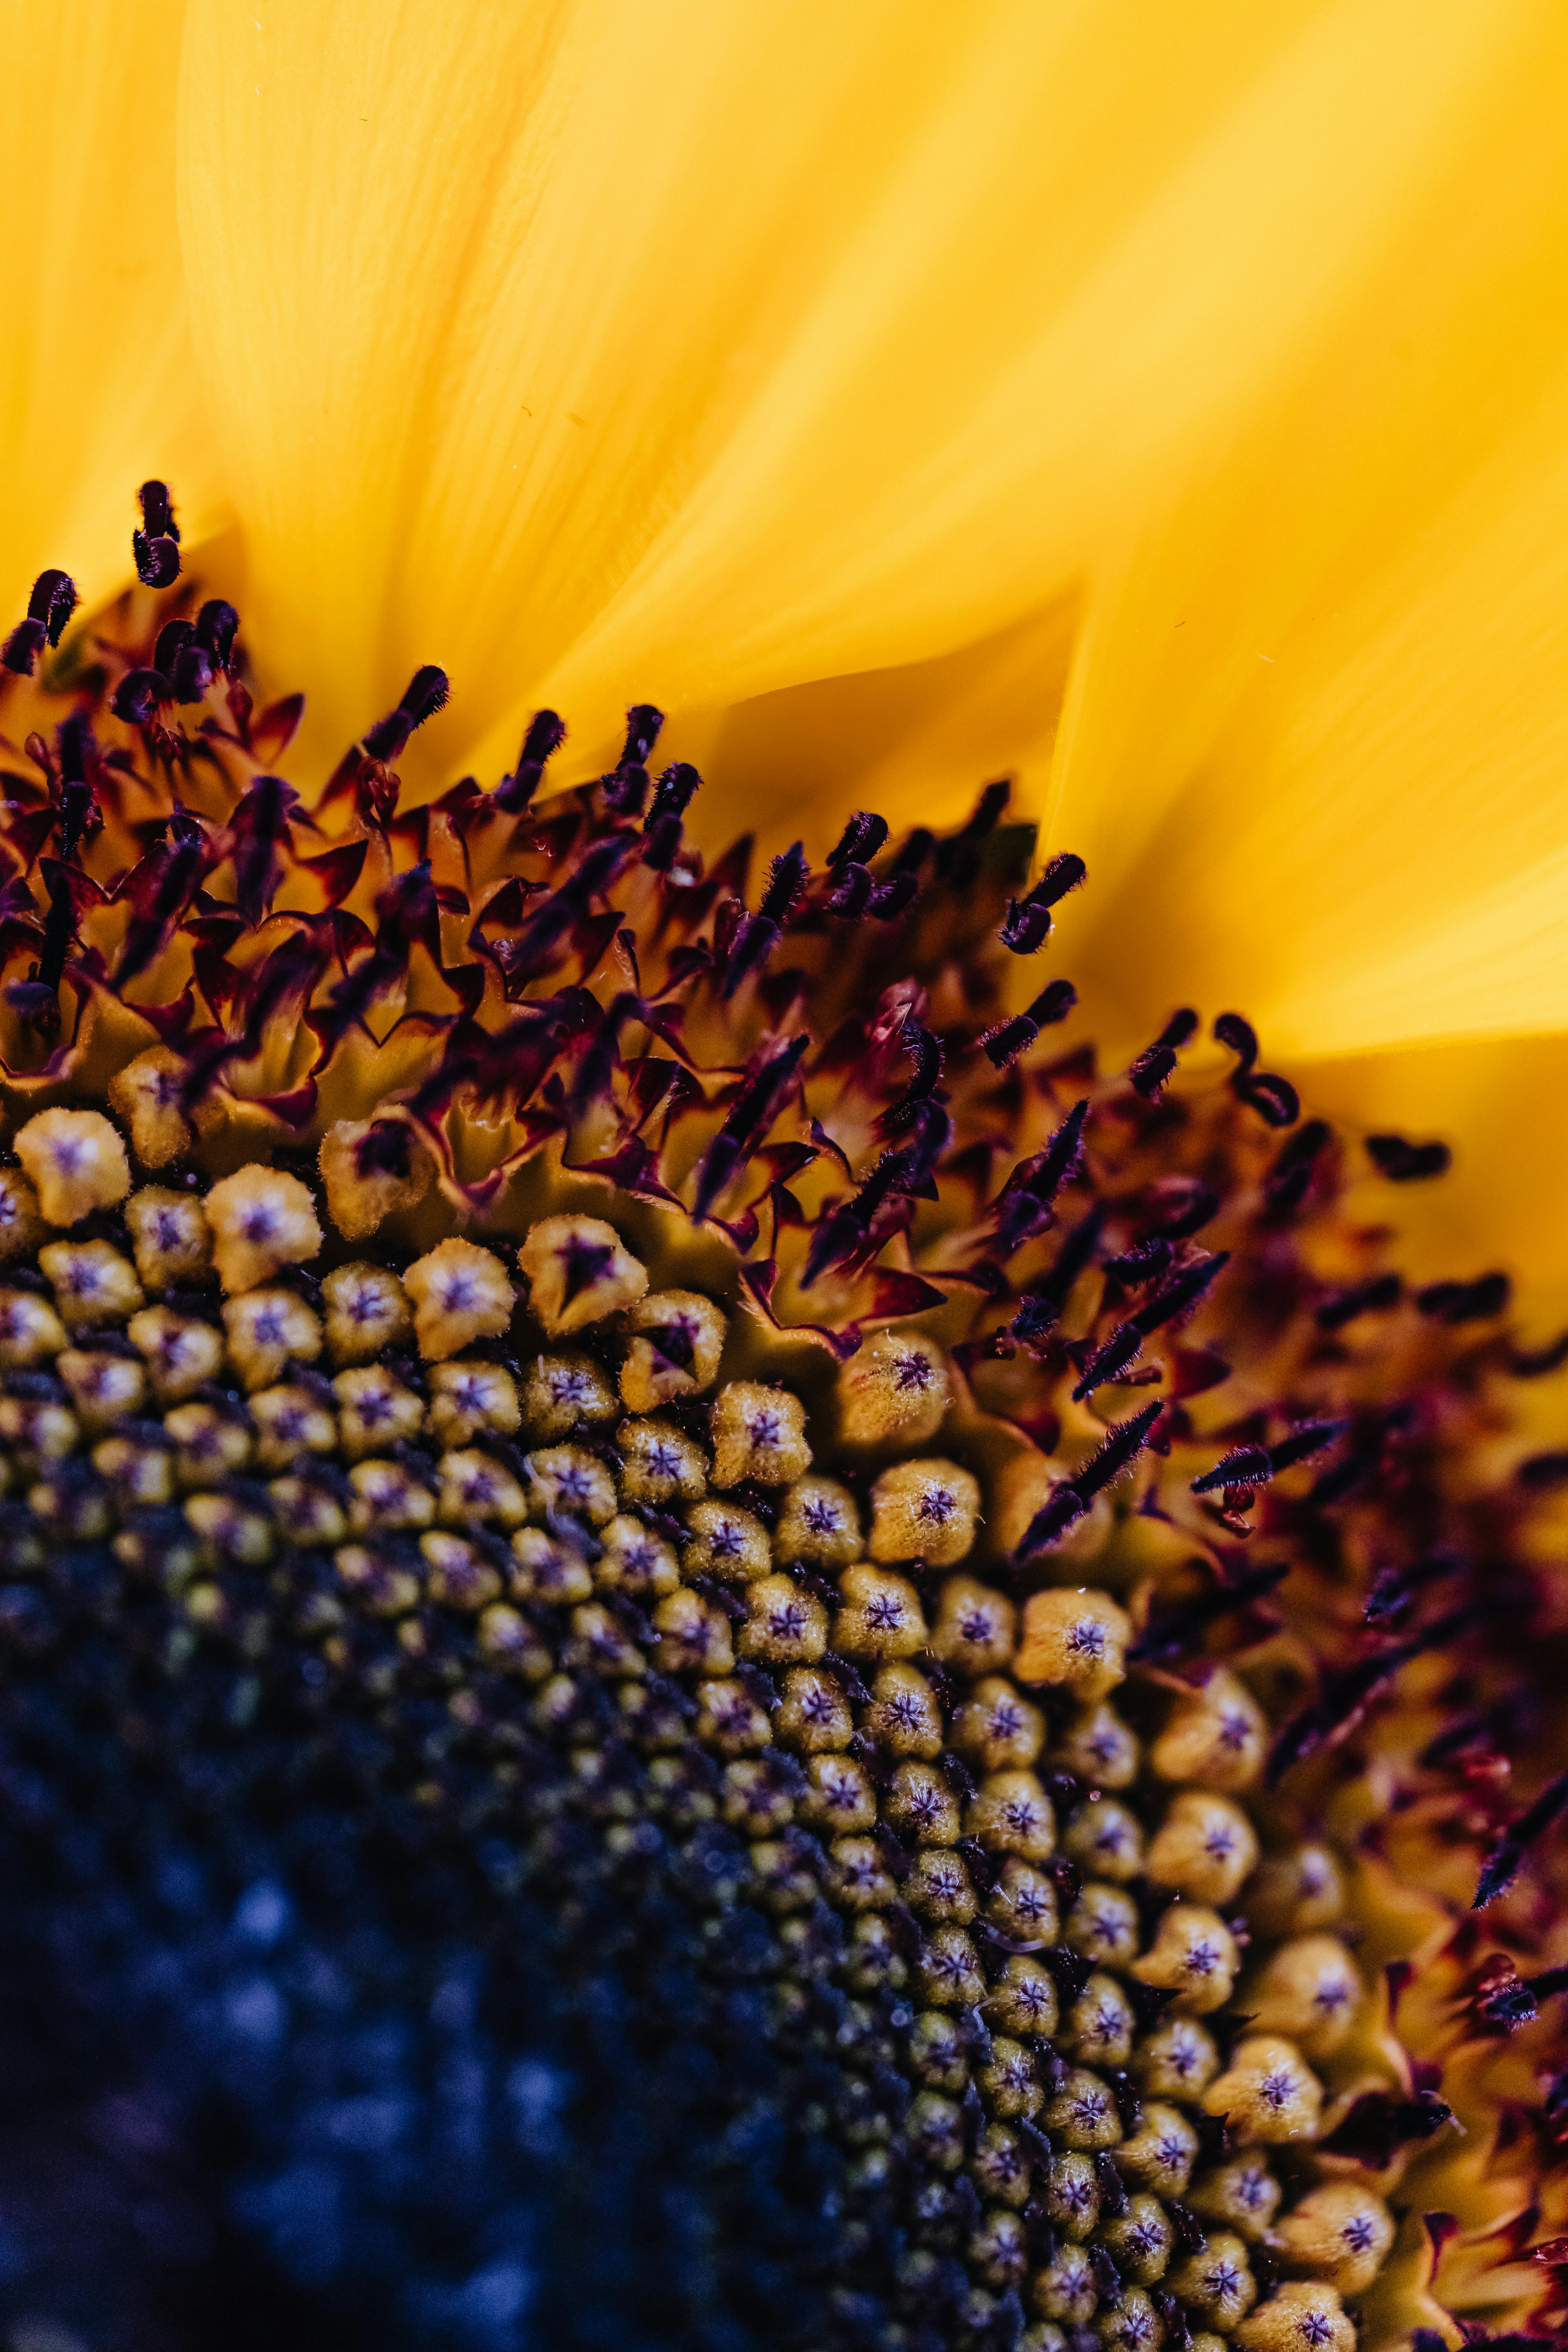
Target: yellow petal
(1503,1104)
(96,382)
(696,352)
(1317,735)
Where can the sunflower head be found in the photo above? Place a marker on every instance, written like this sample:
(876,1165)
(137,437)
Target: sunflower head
(993,1542)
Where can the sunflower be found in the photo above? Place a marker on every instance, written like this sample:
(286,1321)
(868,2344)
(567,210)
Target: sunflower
(682,1476)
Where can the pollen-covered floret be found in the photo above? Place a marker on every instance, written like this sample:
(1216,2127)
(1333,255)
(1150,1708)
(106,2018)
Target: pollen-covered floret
(461,1294)
(1309,1990)
(377,1411)
(148,1095)
(471,1398)
(924,1511)
(1216,2282)
(170,1237)
(569,1479)
(1096,1746)
(893,1391)
(371,1168)
(76,1162)
(660,1464)
(367,1311)
(1076,1640)
(784,1626)
(22,1224)
(92,1283)
(291,1421)
(1105,1838)
(564,1393)
(579,1271)
(267,1329)
(973,1632)
(103,1387)
(1215,1736)
(1204,1847)
(675,1341)
(725,1541)
(30,1330)
(818,1524)
(759,1434)
(1299,2316)
(1193,1956)
(1241,2193)
(262,1220)
(1340,2231)
(1266,2093)
(181,1353)
(473,1489)
(880,1616)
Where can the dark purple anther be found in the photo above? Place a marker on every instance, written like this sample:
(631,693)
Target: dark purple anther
(1245,1465)
(1027,928)
(1059,875)
(1029,919)
(1240,1037)
(895,898)
(626,786)
(1061,1157)
(1465,1302)
(157,513)
(1181,1294)
(1286,1185)
(217,625)
(173,639)
(1274,1098)
(1156,1063)
(192,674)
(1343,1694)
(1371,1297)
(661,832)
(749,1115)
(1174,1626)
(851,894)
(49,607)
(643,726)
(1052,1004)
(1407,1163)
(958,857)
(1507,1857)
(860,840)
(138,696)
(424,696)
(546,733)
(927,1055)
(1109,1362)
(759,933)
(156,546)
(1394,1589)
(1124,1442)
(1310,1438)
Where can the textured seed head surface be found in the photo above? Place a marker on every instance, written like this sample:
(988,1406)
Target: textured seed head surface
(699,1412)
